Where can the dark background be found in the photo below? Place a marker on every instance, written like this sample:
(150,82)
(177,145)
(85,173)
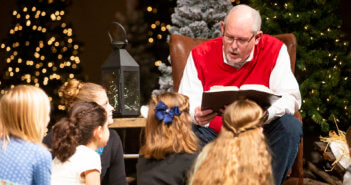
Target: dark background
(91,20)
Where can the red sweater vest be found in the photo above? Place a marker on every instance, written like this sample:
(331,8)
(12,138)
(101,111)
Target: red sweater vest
(208,59)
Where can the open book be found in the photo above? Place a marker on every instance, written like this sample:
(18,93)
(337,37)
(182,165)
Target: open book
(219,96)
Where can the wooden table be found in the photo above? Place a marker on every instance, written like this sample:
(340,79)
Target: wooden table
(128,122)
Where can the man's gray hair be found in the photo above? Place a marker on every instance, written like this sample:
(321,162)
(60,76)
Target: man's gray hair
(254,14)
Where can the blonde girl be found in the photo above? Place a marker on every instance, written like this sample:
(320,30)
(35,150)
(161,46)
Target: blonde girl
(24,116)
(170,145)
(239,155)
(75,140)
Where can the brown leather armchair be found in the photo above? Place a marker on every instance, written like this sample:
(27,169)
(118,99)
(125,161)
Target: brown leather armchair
(180,47)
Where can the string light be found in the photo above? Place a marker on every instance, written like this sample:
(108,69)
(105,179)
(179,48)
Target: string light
(158,62)
(53,17)
(28,23)
(151,40)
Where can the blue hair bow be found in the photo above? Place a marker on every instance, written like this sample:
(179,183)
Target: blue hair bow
(162,112)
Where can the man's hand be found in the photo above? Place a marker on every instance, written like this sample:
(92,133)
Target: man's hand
(205,116)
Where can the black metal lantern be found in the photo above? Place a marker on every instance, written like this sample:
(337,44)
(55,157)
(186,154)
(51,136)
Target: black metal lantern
(121,79)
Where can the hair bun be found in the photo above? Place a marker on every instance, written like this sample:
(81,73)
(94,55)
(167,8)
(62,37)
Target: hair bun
(70,90)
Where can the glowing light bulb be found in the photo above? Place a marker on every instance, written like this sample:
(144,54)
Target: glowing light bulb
(151,40)
(158,62)
(149,9)
(53,17)
(28,23)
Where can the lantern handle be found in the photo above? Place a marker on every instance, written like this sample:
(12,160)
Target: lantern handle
(119,44)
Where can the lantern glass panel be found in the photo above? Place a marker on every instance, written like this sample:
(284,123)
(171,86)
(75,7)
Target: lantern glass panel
(131,92)
(110,81)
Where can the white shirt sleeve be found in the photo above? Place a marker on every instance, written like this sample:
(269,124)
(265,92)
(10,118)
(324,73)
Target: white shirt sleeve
(283,82)
(191,86)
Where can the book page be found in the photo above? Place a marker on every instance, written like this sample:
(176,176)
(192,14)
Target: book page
(217,88)
(256,87)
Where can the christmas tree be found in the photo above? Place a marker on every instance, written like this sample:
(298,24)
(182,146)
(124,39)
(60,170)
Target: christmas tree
(157,16)
(40,48)
(139,47)
(197,19)
(322,67)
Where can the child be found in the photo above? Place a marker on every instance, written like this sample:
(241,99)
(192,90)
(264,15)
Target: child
(170,145)
(24,116)
(347,175)
(75,140)
(112,161)
(239,155)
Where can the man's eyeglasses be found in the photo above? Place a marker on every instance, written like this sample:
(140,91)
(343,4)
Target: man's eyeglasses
(239,41)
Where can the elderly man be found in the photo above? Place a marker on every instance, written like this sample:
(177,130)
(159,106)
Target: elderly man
(242,56)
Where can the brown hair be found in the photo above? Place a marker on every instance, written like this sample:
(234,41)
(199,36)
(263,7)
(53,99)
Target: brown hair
(74,91)
(240,154)
(176,137)
(77,128)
